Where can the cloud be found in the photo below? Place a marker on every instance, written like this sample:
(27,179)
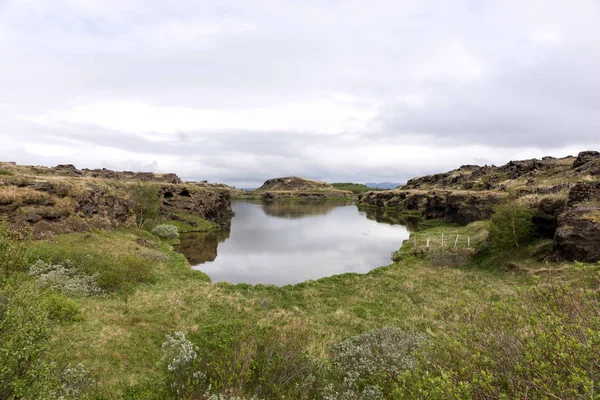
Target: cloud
(243,91)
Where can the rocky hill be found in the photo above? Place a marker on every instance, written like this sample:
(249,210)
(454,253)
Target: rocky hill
(64,199)
(300,188)
(563,191)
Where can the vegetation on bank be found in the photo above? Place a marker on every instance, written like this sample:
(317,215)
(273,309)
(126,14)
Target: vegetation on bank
(355,188)
(119,314)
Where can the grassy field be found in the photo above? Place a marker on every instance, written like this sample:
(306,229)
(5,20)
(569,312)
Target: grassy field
(122,345)
(118,338)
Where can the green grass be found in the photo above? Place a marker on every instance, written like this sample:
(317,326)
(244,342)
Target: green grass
(122,349)
(355,188)
(189,223)
(6,172)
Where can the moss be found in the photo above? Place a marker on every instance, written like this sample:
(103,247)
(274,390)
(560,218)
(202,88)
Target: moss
(190,223)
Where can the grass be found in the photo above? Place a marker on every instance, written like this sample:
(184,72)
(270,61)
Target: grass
(122,349)
(190,223)
(355,188)
(6,172)
(121,342)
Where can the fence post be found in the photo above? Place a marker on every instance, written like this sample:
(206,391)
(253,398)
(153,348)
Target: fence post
(442,239)
(456,241)
(427,243)
(468,242)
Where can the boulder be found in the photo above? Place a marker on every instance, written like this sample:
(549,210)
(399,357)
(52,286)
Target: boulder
(585,157)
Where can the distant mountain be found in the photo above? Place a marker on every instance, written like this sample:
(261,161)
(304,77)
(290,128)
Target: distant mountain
(382,185)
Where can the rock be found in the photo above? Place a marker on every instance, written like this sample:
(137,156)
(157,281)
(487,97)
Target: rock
(578,234)
(296,187)
(545,218)
(585,157)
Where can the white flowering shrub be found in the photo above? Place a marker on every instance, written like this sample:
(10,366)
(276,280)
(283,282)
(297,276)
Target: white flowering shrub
(367,364)
(165,231)
(75,382)
(179,355)
(66,278)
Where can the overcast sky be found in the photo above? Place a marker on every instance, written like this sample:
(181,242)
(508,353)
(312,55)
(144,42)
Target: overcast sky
(241,91)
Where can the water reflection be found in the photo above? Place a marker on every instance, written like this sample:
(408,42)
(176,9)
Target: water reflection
(392,218)
(288,242)
(200,247)
(300,209)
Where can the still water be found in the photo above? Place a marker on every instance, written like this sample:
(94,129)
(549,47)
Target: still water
(288,242)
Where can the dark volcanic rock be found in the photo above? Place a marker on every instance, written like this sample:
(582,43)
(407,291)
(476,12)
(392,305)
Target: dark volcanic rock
(585,157)
(578,234)
(545,218)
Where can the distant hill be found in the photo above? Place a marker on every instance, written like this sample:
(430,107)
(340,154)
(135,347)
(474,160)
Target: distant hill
(296,187)
(382,185)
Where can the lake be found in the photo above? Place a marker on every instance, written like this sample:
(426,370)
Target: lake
(289,242)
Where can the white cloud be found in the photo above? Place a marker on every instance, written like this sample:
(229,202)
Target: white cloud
(242,91)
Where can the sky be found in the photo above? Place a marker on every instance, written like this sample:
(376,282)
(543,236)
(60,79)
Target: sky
(241,91)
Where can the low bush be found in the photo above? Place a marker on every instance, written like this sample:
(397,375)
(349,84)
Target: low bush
(111,272)
(60,308)
(6,172)
(65,277)
(226,364)
(14,253)
(25,332)
(75,383)
(165,231)
(366,366)
(542,343)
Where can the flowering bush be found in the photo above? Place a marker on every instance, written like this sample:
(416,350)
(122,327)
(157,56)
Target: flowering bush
(165,231)
(75,382)
(66,278)
(179,355)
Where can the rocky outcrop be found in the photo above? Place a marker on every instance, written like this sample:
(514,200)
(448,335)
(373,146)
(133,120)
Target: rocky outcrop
(70,202)
(585,157)
(293,187)
(461,207)
(578,234)
(70,170)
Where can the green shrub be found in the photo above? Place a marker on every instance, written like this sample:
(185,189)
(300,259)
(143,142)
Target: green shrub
(6,172)
(146,202)
(542,343)
(25,331)
(511,227)
(60,308)
(165,231)
(14,253)
(229,362)
(112,272)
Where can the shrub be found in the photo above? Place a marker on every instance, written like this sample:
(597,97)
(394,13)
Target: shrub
(75,382)
(511,227)
(179,356)
(542,343)
(66,278)
(367,364)
(146,202)
(6,172)
(165,231)
(112,272)
(25,332)
(14,253)
(231,363)
(60,308)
